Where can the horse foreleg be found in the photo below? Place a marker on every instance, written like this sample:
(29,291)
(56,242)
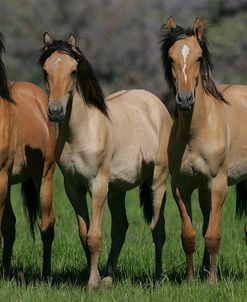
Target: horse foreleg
(99,189)
(8,230)
(119,228)
(47,217)
(188,234)
(212,236)
(77,197)
(205,205)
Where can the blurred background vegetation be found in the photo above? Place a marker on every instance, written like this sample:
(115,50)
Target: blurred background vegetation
(120,37)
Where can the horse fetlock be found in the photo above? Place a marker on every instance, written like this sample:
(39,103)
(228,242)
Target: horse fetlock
(94,282)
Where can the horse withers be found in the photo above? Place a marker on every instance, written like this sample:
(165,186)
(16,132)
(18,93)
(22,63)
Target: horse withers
(106,147)
(208,142)
(27,142)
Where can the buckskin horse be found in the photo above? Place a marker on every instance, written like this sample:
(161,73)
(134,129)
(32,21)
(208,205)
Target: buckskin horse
(27,142)
(106,147)
(208,144)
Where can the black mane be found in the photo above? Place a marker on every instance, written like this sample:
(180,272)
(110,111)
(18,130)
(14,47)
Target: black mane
(4,83)
(86,82)
(206,68)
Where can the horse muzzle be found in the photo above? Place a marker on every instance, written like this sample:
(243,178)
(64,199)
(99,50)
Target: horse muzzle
(185,101)
(56,112)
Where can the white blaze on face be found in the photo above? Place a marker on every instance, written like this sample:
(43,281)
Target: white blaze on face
(185,53)
(57,60)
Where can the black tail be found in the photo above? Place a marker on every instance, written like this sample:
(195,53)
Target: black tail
(31,202)
(146,201)
(241,200)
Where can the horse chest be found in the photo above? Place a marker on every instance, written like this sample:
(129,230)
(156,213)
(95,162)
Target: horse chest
(194,166)
(74,163)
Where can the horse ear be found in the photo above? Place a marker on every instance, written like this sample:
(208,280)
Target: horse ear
(198,28)
(170,25)
(72,41)
(47,39)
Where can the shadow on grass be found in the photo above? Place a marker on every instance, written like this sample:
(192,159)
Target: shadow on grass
(71,276)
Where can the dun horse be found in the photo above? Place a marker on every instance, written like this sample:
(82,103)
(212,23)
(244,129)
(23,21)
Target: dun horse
(106,147)
(27,142)
(208,143)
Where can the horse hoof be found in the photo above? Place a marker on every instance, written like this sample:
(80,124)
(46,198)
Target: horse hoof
(107,281)
(93,284)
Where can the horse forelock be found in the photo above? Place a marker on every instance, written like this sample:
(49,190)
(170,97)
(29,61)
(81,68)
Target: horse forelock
(168,39)
(86,82)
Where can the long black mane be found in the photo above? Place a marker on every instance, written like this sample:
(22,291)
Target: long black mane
(206,67)
(4,82)
(86,82)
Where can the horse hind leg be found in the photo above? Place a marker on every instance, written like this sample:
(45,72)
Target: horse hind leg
(205,205)
(153,197)
(44,186)
(8,232)
(241,202)
(78,200)
(116,202)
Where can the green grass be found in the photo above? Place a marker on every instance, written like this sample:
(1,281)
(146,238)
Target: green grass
(134,281)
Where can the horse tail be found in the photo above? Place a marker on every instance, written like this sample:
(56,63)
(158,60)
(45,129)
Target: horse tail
(146,201)
(241,200)
(31,202)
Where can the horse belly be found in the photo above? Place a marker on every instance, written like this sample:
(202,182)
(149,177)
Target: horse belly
(237,171)
(27,162)
(128,172)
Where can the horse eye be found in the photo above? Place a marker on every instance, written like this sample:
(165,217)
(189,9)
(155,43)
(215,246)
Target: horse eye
(45,72)
(199,59)
(73,73)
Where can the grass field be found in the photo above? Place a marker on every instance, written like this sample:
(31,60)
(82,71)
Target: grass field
(134,280)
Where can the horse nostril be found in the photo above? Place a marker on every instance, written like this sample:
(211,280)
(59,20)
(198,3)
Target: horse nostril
(179,99)
(60,110)
(49,110)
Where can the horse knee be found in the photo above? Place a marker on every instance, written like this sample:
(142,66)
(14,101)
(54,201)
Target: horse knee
(94,243)
(46,227)
(212,243)
(189,243)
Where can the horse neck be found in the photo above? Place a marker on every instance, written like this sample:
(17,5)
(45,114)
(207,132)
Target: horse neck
(190,122)
(79,119)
